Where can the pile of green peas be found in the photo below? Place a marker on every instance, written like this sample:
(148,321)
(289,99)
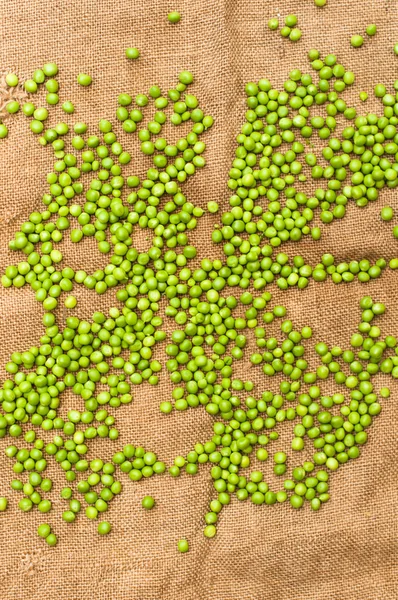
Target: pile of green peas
(98,487)
(116,351)
(156,203)
(289,30)
(335,426)
(264,179)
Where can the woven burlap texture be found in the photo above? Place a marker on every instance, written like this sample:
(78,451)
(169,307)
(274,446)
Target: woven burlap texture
(347,551)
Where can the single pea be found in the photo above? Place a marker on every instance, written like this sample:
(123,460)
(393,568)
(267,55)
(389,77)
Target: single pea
(320,3)
(52,99)
(3,503)
(396,49)
(291,20)
(12,80)
(371,29)
(44,530)
(44,506)
(395,232)
(39,76)
(210,531)
(296,501)
(356,41)
(280,458)
(186,77)
(70,302)
(387,213)
(50,69)
(380,90)
(51,539)
(3,131)
(295,34)
(393,264)
(148,502)
(68,107)
(69,516)
(84,79)
(212,207)
(12,107)
(363,96)
(104,528)
(174,17)
(285,31)
(166,407)
(183,545)
(30,86)
(132,53)
(273,24)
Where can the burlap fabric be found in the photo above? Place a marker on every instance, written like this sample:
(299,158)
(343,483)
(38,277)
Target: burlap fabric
(347,551)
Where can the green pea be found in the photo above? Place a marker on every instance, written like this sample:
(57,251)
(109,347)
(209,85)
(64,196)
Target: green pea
(70,302)
(132,53)
(84,80)
(11,79)
(295,34)
(174,17)
(183,546)
(356,41)
(51,539)
(210,531)
(44,530)
(104,528)
(148,502)
(273,24)
(371,30)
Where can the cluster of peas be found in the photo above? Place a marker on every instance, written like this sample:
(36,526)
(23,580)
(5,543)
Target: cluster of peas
(100,360)
(289,30)
(357,39)
(333,425)
(266,203)
(104,208)
(85,354)
(97,487)
(75,358)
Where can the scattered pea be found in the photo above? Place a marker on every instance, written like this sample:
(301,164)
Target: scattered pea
(273,24)
(183,546)
(101,359)
(356,41)
(212,207)
(104,528)
(295,34)
(70,302)
(132,53)
(44,530)
(148,502)
(12,80)
(52,539)
(84,80)
(291,21)
(387,213)
(174,17)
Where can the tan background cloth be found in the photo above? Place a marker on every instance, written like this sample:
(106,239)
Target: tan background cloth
(347,551)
